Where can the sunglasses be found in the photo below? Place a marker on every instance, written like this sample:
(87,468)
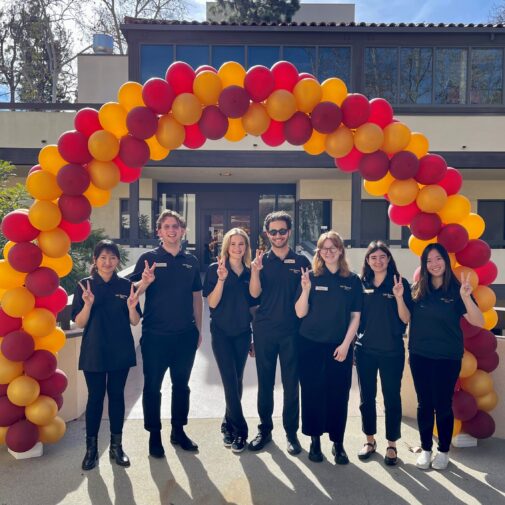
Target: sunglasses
(281,232)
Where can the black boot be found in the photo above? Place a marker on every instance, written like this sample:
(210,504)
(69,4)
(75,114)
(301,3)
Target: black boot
(91,458)
(156,449)
(116,450)
(315,453)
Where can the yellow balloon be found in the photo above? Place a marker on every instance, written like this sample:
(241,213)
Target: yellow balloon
(17,302)
(490,319)
(156,151)
(112,117)
(23,390)
(42,411)
(53,342)
(403,192)
(97,197)
(231,73)
(334,90)
(42,185)
(431,198)
(62,265)
(129,95)
(44,215)
(478,384)
(235,130)
(186,109)
(485,298)
(3,433)
(396,137)
(380,187)
(7,247)
(308,94)
(487,402)
(103,145)
(50,159)
(316,144)
(456,429)
(256,120)
(474,225)
(207,87)
(54,243)
(39,322)
(465,271)
(417,245)
(281,105)
(418,144)
(52,432)
(10,278)
(453,260)
(340,142)
(456,208)
(468,365)
(104,174)
(170,133)
(368,138)
(9,370)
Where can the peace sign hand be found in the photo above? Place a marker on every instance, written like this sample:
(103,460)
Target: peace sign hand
(148,273)
(87,296)
(222,271)
(466,288)
(305,279)
(398,286)
(257,263)
(133,299)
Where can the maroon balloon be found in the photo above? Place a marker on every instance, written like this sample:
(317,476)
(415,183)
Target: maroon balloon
(3,389)
(55,302)
(432,169)
(25,257)
(233,101)
(59,400)
(350,162)
(213,123)
(475,254)
(403,214)
(298,129)
(482,344)
(306,75)
(158,95)
(73,146)
(41,364)
(464,405)
(489,362)
(142,122)
(453,237)
(355,110)
(18,345)
(381,112)
(326,117)
(74,209)
(203,68)
(55,384)
(425,226)
(35,168)
(259,83)
(452,181)
(180,76)
(73,179)
(285,75)
(86,121)
(133,152)
(194,138)
(482,425)
(469,330)
(8,323)
(374,166)
(77,232)
(274,136)
(17,227)
(487,273)
(404,165)
(10,413)
(43,281)
(22,436)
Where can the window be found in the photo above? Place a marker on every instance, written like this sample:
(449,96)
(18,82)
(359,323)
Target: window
(262,55)
(154,60)
(334,62)
(374,221)
(450,75)
(146,228)
(314,217)
(493,213)
(303,58)
(222,54)
(486,84)
(193,55)
(416,75)
(381,73)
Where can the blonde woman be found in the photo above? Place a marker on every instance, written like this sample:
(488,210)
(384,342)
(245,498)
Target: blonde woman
(226,287)
(329,302)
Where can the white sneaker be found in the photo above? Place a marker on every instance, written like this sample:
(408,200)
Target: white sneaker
(440,461)
(424,460)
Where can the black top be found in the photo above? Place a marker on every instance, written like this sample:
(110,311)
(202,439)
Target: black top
(381,330)
(434,327)
(232,315)
(107,341)
(169,299)
(332,298)
(279,282)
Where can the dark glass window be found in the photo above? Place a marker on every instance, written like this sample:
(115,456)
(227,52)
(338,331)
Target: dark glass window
(416,75)
(381,73)
(194,55)
(486,84)
(262,55)
(303,58)
(154,60)
(493,213)
(222,54)
(450,75)
(146,225)
(314,217)
(374,221)
(334,62)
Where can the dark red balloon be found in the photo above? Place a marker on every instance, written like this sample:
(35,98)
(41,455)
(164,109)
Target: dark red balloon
(17,227)
(432,169)
(285,75)
(180,76)
(453,237)
(452,181)
(425,226)
(8,323)
(404,165)
(298,129)
(306,75)
(43,281)
(194,138)
(77,232)
(86,121)
(274,136)
(203,68)
(18,345)
(213,123)
(55,302)
(481,426)
(3,389)
(35,168)
(489,362)
(133,152)
(350,162)
(55,384)
(25,257)
(22,436)
(158,95)
(73,146)
(59,400)
(326,117)
(487,273)
(233,101)
(73,179)
(482,344)
(475,254)
(469,330)
(10,413)
(403,214)
(41,364)
(126,173)
(142,122)
(74,209)
(259,83)
(381,112)
(355,110)
(374,166)
(464,405)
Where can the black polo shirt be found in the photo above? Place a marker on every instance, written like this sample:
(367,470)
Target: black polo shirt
(280,279)
(232,315)
(434,326)
(107,341)
(169,299)
(332,298)
(381,330)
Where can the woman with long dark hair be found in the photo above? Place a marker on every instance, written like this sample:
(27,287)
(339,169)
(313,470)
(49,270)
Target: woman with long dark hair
(436,348)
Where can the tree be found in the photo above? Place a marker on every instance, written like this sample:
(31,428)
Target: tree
(9,51)
(497,13)
(255,11)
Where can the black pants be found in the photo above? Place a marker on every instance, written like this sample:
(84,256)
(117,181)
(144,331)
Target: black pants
(160,352)
(325,385)
(268,348)
(390,369)
(231,356)
(99,382)
(434,380)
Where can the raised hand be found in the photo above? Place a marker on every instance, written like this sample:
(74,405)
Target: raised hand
(222,271)
(87,296)
(305,279)
(466,288)
(257,263)
(398,286)
(148,273)
(133,299)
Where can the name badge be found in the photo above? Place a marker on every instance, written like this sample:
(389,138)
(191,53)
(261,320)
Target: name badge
(160,264)
(368,291)
(290,261)
(321,288)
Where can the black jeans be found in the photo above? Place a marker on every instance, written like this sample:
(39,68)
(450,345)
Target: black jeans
(160,352)
(231,356)
(390,369)
(268,348)
(99,382)
(325,385)
(434,380)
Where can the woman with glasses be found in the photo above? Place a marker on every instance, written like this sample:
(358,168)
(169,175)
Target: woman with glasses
(329,303)
(380,347)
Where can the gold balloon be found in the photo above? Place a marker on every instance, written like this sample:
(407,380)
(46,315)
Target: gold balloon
(17,302)
(50,159)
(231,73)
(186,109)
(10,278)
(456,429)
(104,174)
(485,298)
(431,198)
(54,243)
(340,142)
(456,208)
(487,402)
(474,225)
(460,271)
(256,120)
(417,245)
(42,411)
(53,342)
(156,151)
(281,105)
(103,145)
(380,187)
(368,138)
(39,322)
(418,145)
(490,319)
(396,137)
(334,90)
(9,370)
(61,265)
(3,433)
(235,130)
(42,185)
(478,384)
(170,133)
(23,390)
(316,144)
(307,94)
(7,247)
(468,365)
(403,192)
(207,87)
(52,432)
(97,197)
(44,215)
(129,95)
(112,117)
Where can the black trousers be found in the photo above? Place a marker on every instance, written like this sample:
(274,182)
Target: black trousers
(268,348)
(97,383)
(159,353)
(390,369)
(325,385)
(434,380)
(231,356)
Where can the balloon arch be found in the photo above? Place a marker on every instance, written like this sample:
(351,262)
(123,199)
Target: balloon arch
(186,108)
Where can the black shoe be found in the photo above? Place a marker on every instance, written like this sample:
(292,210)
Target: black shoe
(391,461)
(227,438)
(91,457)
(178,437)
(155,446)
(116,450)
(341,457)
(260,441)
(239,444)
(294,446)
(315,453)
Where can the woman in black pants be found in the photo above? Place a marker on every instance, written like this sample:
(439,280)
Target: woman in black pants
(380,348)
(226,287)
(105,305)
(329,300)
(436,348)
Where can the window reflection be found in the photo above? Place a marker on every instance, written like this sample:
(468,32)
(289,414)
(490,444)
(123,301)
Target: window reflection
(416,75)
(334,62)
(487,76)
(262,55)
(303,58)
(313,217)
(154,60)
(450,75)
(222,54)
(193,55)
(381,72)
(146,222)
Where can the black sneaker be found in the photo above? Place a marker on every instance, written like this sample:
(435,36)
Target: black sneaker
(239,444)
(260,441)
(227,438)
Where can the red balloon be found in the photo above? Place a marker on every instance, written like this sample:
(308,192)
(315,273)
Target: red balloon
(355,110)
(298,129)
(194,137)
(180,76)
(350,162)
(464,405)
(43,281)
(77,232)
(285,75)
(142,122)
(41,364)
(203,68)
(22,436)
(259,83)
(425,226)
(475,254)
(55,302)
(489,362)
(374,166)
(25,257)
(126,173)
(74,209)
(404,165)
(35,168)
(55,384)
(480,426)
(73,146)
(274,136)
(453,237)
(403,214)
(18,345)
(487,273)
(17,227)
(133,152)
(233,101)
(306,75)
(86,121)
(381,112)
(73,179)
(213,123)
(452,181)
(482,344)
(432,169)
(469,330)
(158,95)
(326,117)
(8,323)
(10,413)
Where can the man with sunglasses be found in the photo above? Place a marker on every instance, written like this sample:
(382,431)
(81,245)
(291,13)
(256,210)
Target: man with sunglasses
(275,276)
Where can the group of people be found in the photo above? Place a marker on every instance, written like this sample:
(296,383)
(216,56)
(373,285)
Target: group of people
(316,319)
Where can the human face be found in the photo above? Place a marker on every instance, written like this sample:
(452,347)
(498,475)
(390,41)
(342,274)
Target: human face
(106,264)
(330,253)
(237,247)
(435,264)
(171,232)
(278,241)
(378,261)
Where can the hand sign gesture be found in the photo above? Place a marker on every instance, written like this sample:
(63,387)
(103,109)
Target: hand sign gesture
(398,286)
(87,296)
(222,272)
(133,299)
(148,273)
(257,263)
(466,288)
(305,279)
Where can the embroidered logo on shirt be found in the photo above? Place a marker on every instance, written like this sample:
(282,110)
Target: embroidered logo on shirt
(447,300)
(345,288)
(388,295)
(295,270)
(291,261)
(187,265)
(321,288)
(123,297)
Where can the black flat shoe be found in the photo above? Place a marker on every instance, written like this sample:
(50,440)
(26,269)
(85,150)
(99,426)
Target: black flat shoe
(178,437)
(258,442)
(315,453)
(341,457)
(391,461)
(367,450)
(294,446)
(156,449)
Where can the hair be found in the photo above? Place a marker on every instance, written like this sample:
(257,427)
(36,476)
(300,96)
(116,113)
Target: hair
(423,286)
(318,262)
(367,274)
(279,215)
(170,213)
(227,241)
(104,245)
